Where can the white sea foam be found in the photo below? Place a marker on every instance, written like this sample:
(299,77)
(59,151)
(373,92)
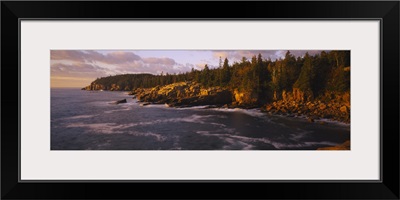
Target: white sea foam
(109,128)
(299,135)
(249,140)
(81,116)
(117,110)
(328,121)
(155,106)
(157,136)
(105,128)
(251,112)
(333,122)
(192,108)
(321,143)
(112,128)
(218,124)
(233,144)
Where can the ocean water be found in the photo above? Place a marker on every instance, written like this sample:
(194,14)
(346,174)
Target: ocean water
(85,120)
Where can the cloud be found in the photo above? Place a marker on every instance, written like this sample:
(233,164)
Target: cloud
(200,66)
(67,55)
(161,61)
(77,70)
(71,78)
(153,66)
(222,54)
(238,55)
(90,64)
(114,57)
(97,64)
(273,54)
(119,61)
(117,57)
(300,53)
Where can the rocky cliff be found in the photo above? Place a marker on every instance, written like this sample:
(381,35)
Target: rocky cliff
(244,99)
(331,105)
(334,106)
(96,86)
(185,94)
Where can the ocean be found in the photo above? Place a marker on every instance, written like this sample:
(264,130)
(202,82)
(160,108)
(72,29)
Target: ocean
(86,120)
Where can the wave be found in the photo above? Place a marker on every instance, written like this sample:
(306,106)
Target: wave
(81,117)
(199,119)
(155,106)
(117,110)
(157,136)
(236,143)
(305,117)
(299,135)
(192,108)
(251,112)
(110,128)
(113,128)
(249,141)
(330,121)
(105,128)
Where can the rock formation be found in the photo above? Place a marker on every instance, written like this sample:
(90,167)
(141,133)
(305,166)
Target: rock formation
(332,105)
(120,101)
(184,94)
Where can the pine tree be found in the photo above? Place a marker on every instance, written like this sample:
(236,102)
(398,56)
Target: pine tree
(226,74)
(306,75)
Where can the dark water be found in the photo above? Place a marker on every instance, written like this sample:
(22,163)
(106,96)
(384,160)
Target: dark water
(83,120)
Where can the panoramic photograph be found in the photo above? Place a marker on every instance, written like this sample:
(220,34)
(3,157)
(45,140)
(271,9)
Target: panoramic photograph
(200,99)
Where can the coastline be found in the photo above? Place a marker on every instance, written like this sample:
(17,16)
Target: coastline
(252,110)
(346,145)
(190,94)
(262,111)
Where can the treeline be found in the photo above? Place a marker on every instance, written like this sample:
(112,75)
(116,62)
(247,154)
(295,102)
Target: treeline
(324,72)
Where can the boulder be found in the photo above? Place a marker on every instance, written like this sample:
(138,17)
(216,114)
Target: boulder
(343,109)
(120,101)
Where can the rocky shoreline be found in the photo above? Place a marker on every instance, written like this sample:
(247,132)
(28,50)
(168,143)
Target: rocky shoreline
(313,110)
(184,94)
(189,94)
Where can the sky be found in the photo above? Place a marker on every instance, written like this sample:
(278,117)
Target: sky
(78,68)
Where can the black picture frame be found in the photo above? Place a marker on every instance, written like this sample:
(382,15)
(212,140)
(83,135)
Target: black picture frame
(386,11)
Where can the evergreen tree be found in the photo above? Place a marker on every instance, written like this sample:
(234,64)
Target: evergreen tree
(226,74)
(306,74)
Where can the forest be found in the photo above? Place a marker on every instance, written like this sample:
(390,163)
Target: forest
(317,74)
